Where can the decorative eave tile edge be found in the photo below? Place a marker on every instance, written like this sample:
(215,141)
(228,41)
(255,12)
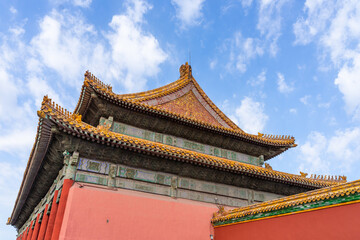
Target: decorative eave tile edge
(288,211)
(313,200)
(72,122)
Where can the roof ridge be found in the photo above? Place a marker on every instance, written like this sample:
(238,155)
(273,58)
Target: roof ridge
(54,110)
(153,93)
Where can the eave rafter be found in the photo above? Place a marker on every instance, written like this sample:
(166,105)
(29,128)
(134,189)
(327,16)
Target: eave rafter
(72,124)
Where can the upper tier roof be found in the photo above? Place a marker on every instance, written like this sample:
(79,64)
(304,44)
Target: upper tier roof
(182,100)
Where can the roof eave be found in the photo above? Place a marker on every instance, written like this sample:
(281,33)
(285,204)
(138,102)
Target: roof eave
(42,141)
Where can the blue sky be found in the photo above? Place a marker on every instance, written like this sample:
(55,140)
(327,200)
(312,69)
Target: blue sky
(280,67)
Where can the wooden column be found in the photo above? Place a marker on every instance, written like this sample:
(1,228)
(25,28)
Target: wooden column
(51,221)
(30,231)
(36,228)
(61,208)
(44,222)
(26,233)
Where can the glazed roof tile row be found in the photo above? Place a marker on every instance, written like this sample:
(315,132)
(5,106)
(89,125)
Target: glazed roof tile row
(136,101)
(293,200)
(71,122)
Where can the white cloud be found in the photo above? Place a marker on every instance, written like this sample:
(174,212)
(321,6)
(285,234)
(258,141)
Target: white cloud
(345,145)
(283,87)
(18,140)
(333,155)
(135,10)
(269,23)
(312,153)
(63,45)
(301,67)
(39,87)
(305,99)
(250,116)
(8,94)
(324,105)
(130,45)
(348,82)
(188,11)
(78,3)
(334,26)
(246,3)
(11,173)
(13,10)
(319,12)
(213,64)
(242,50)
(15,105)
(82,3)
(293,110)
(332,121)
(69,45)
(259,80)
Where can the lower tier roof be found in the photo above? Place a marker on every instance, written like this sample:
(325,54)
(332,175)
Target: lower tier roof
(53,118)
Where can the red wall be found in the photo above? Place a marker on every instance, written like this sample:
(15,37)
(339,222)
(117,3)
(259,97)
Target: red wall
(342,222)
(133,215)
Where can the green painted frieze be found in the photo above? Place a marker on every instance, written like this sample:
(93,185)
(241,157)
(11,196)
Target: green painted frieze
(178,142)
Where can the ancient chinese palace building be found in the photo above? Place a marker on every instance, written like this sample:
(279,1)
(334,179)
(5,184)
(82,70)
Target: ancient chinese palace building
(149,165)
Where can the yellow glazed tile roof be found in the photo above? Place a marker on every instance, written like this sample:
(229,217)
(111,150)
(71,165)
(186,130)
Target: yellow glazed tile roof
(290,201)
(137,99)
(73,122)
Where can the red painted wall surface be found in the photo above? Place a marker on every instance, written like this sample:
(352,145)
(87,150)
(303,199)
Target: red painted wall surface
(99,213)
(340,222)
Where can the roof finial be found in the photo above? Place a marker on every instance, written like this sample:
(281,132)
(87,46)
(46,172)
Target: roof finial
(185,70)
